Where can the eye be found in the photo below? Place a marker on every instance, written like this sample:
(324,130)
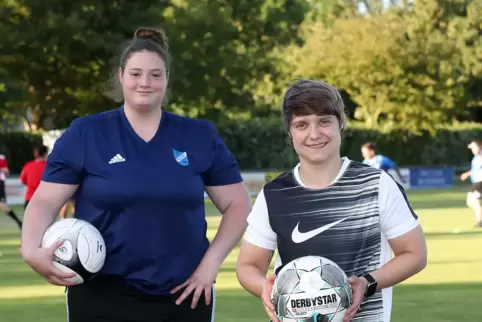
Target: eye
(325,121)
(300,126)
(135,74)
(157,75)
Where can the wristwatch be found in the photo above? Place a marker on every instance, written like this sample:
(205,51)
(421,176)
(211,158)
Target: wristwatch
(372,285)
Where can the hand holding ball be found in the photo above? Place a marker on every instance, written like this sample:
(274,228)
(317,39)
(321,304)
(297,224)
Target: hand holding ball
(83,249)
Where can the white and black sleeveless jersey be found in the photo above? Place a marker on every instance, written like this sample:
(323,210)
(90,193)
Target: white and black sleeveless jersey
(349,222)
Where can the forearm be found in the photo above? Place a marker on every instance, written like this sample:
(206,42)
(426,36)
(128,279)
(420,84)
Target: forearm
(232,227)
(251,278)
(398,269)
(38,217)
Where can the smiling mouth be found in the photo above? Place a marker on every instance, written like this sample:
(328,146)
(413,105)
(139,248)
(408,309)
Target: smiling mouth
(319,145)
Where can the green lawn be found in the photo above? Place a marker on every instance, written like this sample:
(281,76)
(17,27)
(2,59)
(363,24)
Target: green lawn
(449,289)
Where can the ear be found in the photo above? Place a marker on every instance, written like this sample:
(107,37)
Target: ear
(121,73)
(290,138)
(342,122)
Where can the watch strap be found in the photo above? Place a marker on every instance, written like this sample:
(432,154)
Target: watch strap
(372,285)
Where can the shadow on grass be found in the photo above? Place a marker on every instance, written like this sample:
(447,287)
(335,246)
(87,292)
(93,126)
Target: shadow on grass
(439,204)
(437,303)
(9,234)
(24,277)
(462,234)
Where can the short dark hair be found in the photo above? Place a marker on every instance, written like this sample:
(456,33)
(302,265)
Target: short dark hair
(41,149)
(306,97)
(369,145)
(149,39)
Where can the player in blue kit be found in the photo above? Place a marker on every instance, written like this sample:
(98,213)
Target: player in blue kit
(139,175)
(379,161)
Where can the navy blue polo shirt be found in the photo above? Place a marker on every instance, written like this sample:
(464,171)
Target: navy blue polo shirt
(146,198)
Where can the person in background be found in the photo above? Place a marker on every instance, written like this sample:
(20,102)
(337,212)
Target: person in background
(32,172)
(65,209)
(474,195)
(4,172)
(139,174)
(379,161)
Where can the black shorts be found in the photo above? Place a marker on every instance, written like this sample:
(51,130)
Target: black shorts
(3,195)
(476,187)
(102,300)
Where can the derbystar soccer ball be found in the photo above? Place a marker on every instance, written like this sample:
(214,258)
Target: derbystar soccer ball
(311,289)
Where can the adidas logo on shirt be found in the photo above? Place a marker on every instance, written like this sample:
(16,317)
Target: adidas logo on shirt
(117,158)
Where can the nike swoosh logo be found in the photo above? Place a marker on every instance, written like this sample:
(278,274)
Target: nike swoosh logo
(299,237)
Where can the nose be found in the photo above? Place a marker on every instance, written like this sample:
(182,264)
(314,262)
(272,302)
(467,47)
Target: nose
(145,81)
(315,132)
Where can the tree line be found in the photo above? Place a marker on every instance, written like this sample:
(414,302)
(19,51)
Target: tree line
(412,64)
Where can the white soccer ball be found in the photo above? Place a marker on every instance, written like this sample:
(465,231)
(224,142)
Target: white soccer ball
(311,289)
(83,250)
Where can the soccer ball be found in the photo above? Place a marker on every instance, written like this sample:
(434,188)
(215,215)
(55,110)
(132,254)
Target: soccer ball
(311,289)
(83,250)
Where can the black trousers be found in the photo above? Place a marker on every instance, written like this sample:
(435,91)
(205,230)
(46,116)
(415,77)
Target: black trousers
(3,195)
(108,301)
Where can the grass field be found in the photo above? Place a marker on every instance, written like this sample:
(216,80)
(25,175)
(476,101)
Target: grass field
(449,289)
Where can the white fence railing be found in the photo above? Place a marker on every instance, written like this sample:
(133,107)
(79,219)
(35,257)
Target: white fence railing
(416,178)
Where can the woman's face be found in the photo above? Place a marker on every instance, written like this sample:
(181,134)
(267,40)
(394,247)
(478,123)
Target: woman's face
(144,80)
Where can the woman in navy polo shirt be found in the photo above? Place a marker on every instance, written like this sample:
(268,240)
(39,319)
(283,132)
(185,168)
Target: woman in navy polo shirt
(139,174)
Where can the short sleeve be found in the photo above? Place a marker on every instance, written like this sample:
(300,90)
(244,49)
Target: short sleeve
(3,162)
(23,174)
(396,215)
(224,168)
(387,163)
(65,162)
(259,231)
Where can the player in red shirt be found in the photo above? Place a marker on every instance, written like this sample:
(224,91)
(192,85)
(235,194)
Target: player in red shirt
(4,172)
(32,171)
